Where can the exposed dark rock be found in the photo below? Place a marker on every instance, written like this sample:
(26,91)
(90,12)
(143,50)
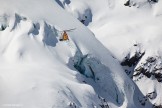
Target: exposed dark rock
(158,76)
(3,22)
(152,95)
(151,67)
(155,1)
(72,105)
(150,59)
(104,103)
(2,28)
(63,3)
(127,3)
(133,60)
(139,4)
(157,106)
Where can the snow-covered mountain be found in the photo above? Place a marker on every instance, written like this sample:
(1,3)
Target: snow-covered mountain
(106,38)
(131,30)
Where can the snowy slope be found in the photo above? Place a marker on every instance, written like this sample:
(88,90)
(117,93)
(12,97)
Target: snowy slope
(39,71)
(113,21)
(131,30)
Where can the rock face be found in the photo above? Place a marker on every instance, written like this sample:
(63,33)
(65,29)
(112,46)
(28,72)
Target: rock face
(3,22)
(140,3)
(147,74)
(146,71)
(151,68)
(131,59)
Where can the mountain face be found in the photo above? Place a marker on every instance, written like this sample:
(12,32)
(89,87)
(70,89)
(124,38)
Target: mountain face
(131,30)
(111,60)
